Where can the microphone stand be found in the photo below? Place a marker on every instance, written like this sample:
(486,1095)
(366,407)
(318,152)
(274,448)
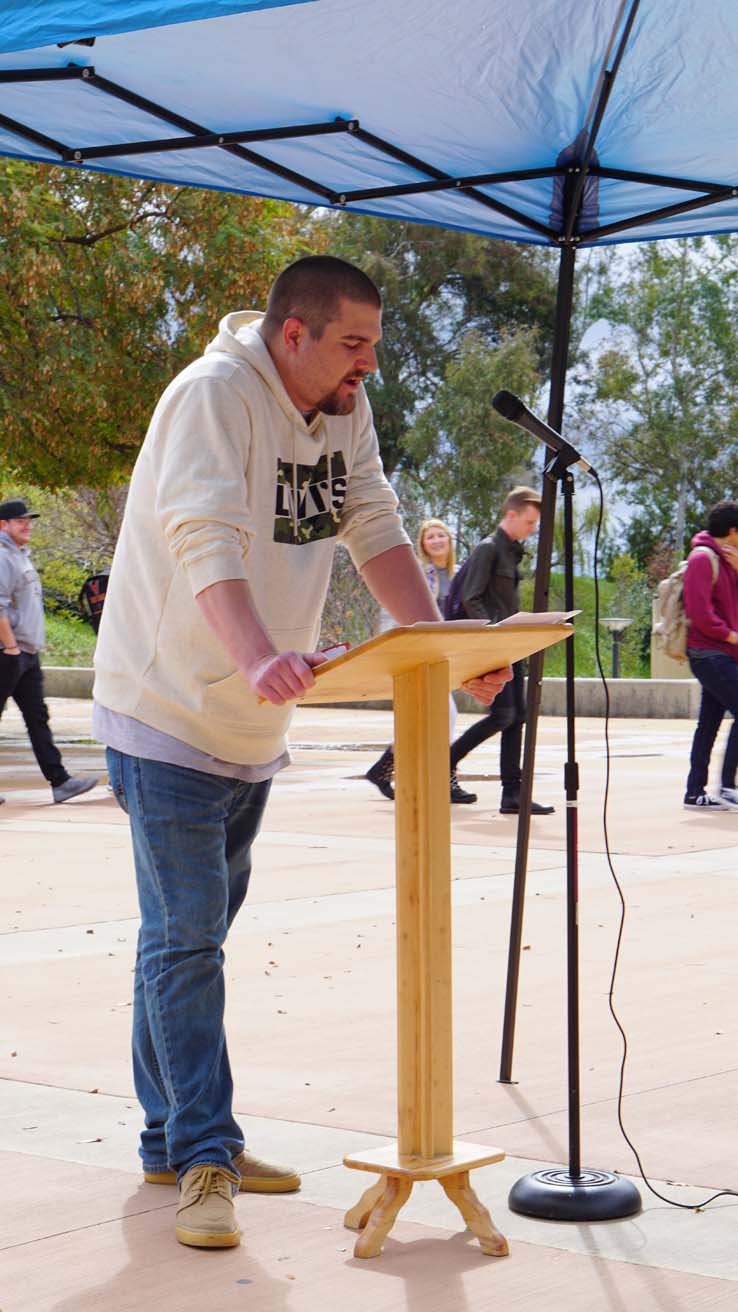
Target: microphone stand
(572,1193)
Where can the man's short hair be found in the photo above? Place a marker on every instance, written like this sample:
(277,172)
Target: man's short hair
(722,518)
(520,497)
(311,290)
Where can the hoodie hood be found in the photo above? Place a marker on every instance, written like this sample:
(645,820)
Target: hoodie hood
(704,539)
(239,334)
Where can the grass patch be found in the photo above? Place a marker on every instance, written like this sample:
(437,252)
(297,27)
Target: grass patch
(69,641)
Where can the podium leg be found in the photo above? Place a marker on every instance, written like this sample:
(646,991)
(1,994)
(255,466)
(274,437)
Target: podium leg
(423,840)
(478,1219)
(358,1215)
(396,1190)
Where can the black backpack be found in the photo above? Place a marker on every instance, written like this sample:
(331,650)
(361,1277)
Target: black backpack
(92,597)
(453,606)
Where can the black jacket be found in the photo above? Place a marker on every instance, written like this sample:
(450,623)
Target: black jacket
(492,581)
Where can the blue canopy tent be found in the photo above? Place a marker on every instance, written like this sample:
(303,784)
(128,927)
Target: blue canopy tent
(565,123)
(466,116)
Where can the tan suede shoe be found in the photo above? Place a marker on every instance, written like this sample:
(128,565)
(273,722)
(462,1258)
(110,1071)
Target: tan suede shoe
(206,1217)
(257,1177)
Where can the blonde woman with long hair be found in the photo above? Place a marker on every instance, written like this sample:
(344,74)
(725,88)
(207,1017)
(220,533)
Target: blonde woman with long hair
(437,555)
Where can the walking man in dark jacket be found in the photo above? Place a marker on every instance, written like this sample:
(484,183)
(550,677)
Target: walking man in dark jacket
(711,605)
(491,592)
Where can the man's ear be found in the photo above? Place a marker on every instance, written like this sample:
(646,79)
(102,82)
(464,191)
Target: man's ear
(293,334)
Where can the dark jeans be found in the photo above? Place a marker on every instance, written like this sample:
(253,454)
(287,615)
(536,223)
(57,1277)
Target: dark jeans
(505,716)
(192,836)
(21,679)
(717,674)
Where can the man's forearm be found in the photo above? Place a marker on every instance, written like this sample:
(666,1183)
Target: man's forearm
(228,609)
(397,582)
(277,677)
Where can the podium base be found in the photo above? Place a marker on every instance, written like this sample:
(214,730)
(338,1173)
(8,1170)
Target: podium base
(378,1208)
(556,1195)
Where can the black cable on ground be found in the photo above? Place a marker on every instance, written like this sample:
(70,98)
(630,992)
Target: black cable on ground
(721,1193)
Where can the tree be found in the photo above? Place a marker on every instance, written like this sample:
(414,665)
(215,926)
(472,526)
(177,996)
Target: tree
(108,287)
(666,385)
(584,532)
(468,454)
(74,536)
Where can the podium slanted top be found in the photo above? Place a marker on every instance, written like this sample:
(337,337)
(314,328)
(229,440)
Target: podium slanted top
(471,647)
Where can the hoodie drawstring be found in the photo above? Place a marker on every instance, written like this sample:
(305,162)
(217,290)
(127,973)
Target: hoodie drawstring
(295,532)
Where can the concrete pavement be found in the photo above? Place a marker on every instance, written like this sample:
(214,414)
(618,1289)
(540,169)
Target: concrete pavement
(310,978)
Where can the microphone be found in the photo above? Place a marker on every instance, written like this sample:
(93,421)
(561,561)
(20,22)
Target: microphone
(511,407)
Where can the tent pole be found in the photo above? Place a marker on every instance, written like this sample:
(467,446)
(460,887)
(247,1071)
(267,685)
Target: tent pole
(562,332)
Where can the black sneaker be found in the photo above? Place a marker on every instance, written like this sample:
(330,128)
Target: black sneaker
(511,806)
(705,803)
(381,774)
(459,794)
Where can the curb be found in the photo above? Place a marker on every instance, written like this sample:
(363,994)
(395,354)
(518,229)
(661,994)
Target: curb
(637,699)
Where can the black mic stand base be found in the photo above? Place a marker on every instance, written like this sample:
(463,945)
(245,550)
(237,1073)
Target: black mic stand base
(557,1195)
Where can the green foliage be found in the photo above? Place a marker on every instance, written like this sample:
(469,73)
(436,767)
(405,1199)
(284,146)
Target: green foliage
(74,537)
(584,529)
(665,389)
(635,603)
(469,456)
(108,287)
(632,597)
(69,641)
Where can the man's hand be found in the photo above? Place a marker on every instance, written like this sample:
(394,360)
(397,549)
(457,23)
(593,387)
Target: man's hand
(284,677)
(487,686)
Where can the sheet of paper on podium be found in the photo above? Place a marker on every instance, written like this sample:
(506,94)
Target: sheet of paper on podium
(471,647)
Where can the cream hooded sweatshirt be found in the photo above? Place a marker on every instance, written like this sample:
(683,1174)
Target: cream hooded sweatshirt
(232,483)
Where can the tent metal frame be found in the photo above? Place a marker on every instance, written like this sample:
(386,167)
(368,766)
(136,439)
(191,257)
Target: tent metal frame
(197,137)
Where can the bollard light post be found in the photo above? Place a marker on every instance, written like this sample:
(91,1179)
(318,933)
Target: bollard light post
(616,625)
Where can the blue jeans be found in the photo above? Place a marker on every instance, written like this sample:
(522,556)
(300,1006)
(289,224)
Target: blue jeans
(717,674)
(192,836)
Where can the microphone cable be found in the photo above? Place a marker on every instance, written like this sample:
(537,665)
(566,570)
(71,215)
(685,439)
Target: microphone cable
(721,1193)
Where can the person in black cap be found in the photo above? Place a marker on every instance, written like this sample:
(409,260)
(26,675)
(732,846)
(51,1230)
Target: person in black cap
(21,639)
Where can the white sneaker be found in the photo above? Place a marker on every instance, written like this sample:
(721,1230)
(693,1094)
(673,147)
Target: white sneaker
(729,798)
(704,802)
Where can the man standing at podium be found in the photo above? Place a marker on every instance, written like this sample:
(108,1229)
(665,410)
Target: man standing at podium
(260,457)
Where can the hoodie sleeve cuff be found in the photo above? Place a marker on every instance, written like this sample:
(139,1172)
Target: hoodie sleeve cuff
(206,570)
(375,542)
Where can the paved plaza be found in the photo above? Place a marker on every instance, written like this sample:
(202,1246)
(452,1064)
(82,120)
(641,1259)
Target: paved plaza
(310,979)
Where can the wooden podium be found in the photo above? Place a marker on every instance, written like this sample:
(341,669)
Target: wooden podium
(418,666)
